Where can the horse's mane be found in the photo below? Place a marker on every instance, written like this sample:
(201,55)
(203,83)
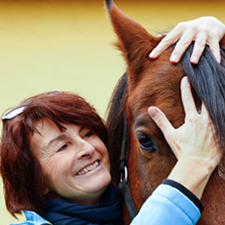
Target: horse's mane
(207,79)
(116,111)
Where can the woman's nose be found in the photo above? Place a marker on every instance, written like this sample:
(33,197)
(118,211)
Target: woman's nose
(86,150)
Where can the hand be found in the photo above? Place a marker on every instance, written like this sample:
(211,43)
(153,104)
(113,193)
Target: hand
(204,31)
(193,143)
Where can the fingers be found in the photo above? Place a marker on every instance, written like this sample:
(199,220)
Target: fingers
(161,47)
(187,99)
(202,39)
(161,121)
(215,147)
(166,127)
(189,107)
(199,46)
(182,45)
(204,31)
(166,42)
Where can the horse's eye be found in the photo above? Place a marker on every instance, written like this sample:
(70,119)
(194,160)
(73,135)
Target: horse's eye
(145,142)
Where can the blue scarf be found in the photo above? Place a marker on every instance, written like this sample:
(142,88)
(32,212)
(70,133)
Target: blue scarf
(107,212)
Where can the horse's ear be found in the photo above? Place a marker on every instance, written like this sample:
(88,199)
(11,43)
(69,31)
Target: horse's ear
(134,41)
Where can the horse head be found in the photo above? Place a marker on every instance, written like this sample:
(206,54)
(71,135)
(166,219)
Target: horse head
(148,83)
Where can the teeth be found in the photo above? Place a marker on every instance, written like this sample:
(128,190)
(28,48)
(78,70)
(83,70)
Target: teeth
(89,168)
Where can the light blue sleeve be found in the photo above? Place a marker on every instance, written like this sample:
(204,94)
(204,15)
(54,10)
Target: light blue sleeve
(167,206)
(32,218)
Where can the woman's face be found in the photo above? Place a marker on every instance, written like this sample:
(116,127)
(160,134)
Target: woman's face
(75,161)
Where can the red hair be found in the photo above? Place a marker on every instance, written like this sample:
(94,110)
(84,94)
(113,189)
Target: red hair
(20,170)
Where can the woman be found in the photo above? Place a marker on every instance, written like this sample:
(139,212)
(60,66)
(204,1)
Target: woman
(54,162)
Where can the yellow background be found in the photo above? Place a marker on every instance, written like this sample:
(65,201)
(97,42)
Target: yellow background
(66,45)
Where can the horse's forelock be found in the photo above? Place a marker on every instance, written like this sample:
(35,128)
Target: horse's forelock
(207,78)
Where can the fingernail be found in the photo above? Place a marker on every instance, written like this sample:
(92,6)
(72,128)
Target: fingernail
(194,60)
(153,112)
(185,81)
(174,59)
(153,54)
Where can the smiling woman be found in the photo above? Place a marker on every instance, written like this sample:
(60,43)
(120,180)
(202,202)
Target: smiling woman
(60,143)
(74,161)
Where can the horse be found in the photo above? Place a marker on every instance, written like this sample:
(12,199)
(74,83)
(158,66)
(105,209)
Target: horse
(147,82)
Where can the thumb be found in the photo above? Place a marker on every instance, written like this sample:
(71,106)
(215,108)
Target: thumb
(161,121)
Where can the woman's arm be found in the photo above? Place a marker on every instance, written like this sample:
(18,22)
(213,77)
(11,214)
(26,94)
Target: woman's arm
(167,206)
(204,31)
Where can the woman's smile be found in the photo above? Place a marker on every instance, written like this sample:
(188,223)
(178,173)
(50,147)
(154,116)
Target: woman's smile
(88,168)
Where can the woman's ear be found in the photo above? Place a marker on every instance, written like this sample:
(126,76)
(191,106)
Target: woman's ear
(46,190)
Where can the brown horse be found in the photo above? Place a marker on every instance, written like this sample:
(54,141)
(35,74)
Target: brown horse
(157,83)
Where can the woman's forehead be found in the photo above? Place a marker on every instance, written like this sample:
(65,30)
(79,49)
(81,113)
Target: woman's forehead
(48,133)
(45,131)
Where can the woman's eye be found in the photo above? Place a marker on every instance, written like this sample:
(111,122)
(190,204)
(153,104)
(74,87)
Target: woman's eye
(88,134)
(146,142)
(63,147)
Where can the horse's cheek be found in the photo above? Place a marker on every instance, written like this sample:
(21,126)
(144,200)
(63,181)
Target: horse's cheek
(154,169)
(134,177)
